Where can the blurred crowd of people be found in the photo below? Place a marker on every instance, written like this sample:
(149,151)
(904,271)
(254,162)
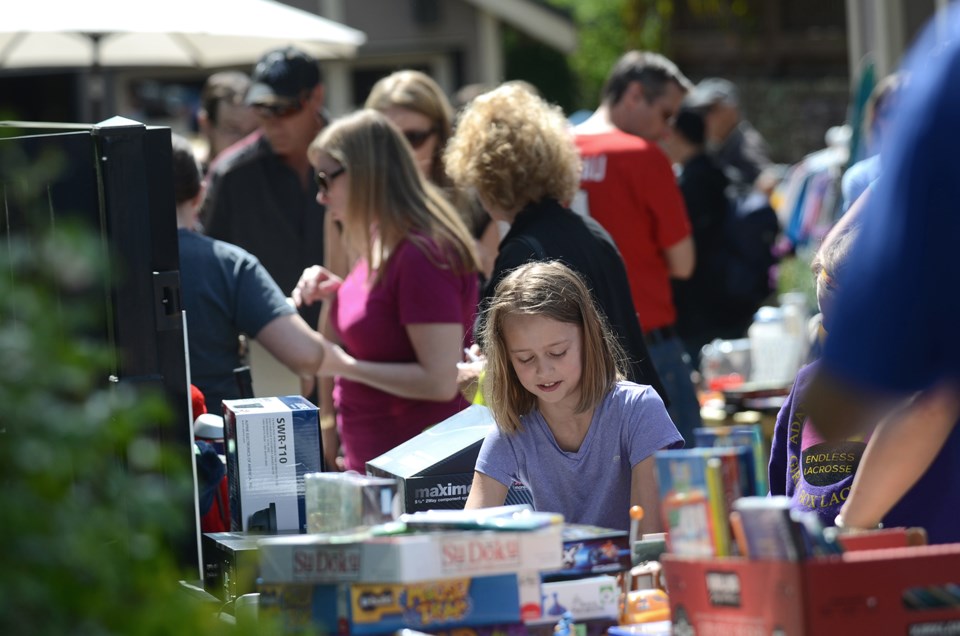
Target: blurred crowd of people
(367,252)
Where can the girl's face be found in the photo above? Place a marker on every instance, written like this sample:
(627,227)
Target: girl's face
(419,131)
(547,356)
(337,182)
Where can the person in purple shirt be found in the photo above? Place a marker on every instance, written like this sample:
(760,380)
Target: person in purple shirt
(568,426)
(815,473)
(893,336)
(854,478)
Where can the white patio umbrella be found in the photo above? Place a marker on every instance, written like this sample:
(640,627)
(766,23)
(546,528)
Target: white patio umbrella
(203,34)
(184,33)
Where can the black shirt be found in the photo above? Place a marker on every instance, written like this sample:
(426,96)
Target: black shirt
(704,310)
(582,244)
(257,201)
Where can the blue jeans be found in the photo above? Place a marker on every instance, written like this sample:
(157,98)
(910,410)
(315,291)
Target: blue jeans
(673,365)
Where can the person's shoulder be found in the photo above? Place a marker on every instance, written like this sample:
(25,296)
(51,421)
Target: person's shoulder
(803,378)
(189,242)
(418,248)
(627,394)
(228,252)
(612,141)
(247,153)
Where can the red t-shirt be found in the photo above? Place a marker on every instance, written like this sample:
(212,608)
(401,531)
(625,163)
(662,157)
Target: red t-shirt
(629,187)
(371,323)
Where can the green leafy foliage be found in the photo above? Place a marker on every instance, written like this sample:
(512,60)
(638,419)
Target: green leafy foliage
(608,28)
(87,514)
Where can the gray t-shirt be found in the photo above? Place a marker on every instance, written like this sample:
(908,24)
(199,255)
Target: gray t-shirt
(225,292)
(592,485)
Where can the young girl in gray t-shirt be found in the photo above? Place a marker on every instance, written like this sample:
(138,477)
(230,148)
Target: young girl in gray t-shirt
(568,426)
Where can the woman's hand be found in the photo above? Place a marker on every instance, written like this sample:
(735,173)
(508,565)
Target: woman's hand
(316,283)
(332,459)
(335,359)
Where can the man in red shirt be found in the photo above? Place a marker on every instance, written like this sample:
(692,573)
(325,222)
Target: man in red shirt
(628,185)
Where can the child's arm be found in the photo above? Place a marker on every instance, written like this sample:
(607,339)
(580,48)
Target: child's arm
(486,492)
(900,450)
(643,492)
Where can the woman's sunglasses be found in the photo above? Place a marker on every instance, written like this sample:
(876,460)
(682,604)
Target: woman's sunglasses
(324,180)
(417,138)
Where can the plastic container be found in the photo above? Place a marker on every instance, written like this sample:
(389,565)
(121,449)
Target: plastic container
(776,351)
(725,364)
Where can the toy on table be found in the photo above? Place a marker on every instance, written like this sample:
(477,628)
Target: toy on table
(650,604)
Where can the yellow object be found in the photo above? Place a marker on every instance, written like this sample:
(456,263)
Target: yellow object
(645,606)
(478,396)
(328,422)
(718,507)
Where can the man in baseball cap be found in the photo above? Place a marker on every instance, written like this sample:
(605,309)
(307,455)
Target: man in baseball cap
(262,196)
(733,142)
(282,78)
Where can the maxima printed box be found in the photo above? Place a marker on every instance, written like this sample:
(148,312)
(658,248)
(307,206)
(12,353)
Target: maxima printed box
(272,442)
(434,470)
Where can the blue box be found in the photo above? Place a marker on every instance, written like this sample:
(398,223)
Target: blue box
(272,442)
(591,550)
(383,608)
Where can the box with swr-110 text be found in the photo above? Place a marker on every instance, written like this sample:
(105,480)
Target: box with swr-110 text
(272,442)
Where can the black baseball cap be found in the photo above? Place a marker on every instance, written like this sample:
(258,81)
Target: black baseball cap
(282,76)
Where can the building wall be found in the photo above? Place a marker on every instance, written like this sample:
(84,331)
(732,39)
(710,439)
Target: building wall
(439,36)
(788,58)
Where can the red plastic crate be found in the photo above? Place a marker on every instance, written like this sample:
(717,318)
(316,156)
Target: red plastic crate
(913,590)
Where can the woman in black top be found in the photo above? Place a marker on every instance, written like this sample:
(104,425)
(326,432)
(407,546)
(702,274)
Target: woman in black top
(515,151)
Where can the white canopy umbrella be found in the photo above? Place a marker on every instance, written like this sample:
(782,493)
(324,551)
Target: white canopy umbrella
(180,33)
(202,34)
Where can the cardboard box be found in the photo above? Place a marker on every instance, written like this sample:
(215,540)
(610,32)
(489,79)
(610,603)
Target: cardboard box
(230,564)
(272,442)
(381,608)
(696,500)
(434,470)
(408,558)
(590,550)
(587,598)
(891,591)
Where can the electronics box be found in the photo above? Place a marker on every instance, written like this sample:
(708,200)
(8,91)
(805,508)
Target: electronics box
(409,558)
(383,608)
(591,550)
(911,590)
(434,470)
(230,564)
(272,442)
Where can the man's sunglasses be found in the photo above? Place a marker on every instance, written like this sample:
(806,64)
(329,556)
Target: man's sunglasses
(417,138)
(324,180)
(277,111)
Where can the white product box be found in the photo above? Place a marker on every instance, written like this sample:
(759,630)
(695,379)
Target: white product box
(589,598)
(272,442)
(408,558)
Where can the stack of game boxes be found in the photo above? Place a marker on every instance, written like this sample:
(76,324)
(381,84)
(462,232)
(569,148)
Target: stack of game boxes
(506,570)
(430,572)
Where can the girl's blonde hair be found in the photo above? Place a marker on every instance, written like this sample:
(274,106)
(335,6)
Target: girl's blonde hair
(419,93)
(513,148)
(552,290)
(388,201)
